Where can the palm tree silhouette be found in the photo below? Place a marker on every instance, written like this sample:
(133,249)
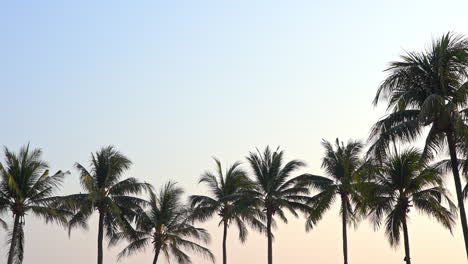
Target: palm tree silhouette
(26,186)
(405,180)
(345,169)
(276,189)
(230,200)
(167,225)
(428,89)
(107,194)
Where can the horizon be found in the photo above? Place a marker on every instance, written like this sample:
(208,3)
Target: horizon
(173,84)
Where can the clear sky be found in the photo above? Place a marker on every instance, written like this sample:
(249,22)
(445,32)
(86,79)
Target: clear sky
(172,83)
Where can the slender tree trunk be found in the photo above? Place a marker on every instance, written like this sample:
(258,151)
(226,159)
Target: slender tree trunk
(270,237)
(345,233)
(14,236)
(225,242)
(156,254)
(100,254)
(458,187)
(407,246)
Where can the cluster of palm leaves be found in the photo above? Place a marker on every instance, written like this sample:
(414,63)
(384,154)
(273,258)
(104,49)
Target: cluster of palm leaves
(426,93)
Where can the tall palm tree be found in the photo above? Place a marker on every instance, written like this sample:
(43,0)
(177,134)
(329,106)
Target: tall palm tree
(345,170)
(276,190)
(428,89)
(229,200)
(26,186)
(107,194)
(168,227)
(405,180)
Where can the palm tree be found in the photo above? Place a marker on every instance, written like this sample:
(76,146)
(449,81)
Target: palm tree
(345,169)
(276,189)
(229,200)
(26,186)
(168,227)
(405,180)
(107,194)
(428,89)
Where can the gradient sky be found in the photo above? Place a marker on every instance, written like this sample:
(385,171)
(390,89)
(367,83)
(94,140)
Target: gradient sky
(173,83)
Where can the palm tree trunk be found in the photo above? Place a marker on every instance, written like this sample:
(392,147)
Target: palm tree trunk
(156,254)
(458,186)
(345,234)
(225,242)
(14,236)
(270,237)
(406,238)
(100,254)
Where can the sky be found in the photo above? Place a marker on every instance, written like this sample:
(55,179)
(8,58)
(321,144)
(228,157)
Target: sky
(173,83)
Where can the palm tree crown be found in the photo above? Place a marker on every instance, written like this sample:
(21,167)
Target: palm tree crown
(403,181)
(422,89)
(26,186)
(230,200)
(107,194)
(167,226)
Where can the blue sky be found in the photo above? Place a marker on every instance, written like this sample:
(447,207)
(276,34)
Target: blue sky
(172,83)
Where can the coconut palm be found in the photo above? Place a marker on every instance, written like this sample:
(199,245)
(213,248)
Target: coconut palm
(168,227)
(27,187)
(229,200)
(428,89)
(345,170)
(113,199)
(405,180)
(276,189)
